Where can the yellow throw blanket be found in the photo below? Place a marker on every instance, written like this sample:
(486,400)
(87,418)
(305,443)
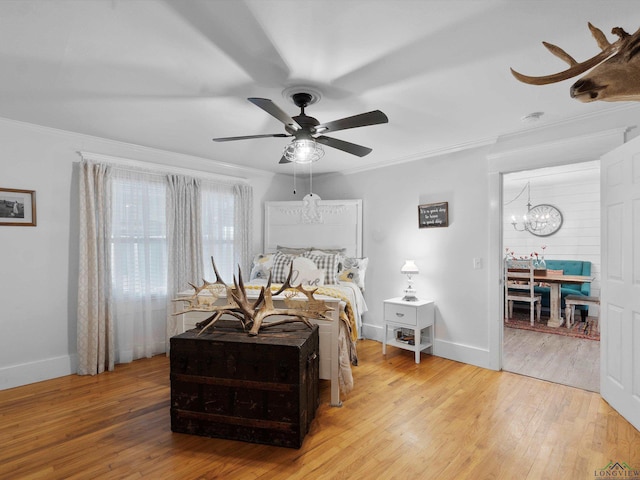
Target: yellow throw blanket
(347,352)
(347,316)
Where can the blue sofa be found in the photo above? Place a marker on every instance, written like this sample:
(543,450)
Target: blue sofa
(568,267)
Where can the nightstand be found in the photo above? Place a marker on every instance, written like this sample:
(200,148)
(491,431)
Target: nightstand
(415,317)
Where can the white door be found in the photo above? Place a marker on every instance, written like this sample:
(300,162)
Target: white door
(620,294)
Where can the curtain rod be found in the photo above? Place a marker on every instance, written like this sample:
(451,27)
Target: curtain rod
(158,168)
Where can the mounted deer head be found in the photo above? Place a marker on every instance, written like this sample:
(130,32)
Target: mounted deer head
(616,70)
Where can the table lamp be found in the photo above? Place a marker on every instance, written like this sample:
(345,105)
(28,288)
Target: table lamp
(409,269)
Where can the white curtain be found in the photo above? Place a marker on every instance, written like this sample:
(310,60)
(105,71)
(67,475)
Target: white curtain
(184,240)
(144,235)
(139,263)
(243,220)
(95,329)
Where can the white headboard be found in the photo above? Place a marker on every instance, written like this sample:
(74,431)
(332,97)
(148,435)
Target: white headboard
(314,222)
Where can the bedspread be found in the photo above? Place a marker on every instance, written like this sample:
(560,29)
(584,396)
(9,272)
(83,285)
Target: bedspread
(350,316)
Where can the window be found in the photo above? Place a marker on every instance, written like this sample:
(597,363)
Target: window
(138,240)
(136,206)
(218,236)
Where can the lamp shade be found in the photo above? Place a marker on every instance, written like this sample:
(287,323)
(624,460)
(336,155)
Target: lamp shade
(303,150)
(409,268)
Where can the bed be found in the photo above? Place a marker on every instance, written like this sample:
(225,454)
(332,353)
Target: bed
(315,233)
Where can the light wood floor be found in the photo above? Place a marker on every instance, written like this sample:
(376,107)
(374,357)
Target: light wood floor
(556,358)
(439,419)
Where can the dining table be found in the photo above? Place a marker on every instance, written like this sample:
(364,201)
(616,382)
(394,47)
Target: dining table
(555,301)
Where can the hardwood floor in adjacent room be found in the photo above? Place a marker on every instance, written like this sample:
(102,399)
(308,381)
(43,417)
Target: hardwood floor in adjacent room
(437,419)
(570,361)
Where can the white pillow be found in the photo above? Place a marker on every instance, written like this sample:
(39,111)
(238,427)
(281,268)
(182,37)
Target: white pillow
(306,274)
(329,263)
(354,271)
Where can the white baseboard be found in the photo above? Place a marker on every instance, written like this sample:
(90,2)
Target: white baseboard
(32,372)
(453,351)
(462,353)
(372,332)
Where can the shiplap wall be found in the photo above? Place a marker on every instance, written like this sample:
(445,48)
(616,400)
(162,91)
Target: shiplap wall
(573,189)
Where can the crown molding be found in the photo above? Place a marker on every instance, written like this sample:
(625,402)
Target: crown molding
(224,168)
(206,165)
(521,132)
(580,148)
(422,155)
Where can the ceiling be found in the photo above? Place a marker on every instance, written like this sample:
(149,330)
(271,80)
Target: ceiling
(174,74)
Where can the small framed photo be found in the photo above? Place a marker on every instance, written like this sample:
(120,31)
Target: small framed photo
(17,207)
(433,215)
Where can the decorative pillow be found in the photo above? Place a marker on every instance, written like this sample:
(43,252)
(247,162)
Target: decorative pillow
(339,252)
(281,267)
(328,263)
(261,266)
(292,250)
(303,263)
(329,250)
(306,274)
(354,271)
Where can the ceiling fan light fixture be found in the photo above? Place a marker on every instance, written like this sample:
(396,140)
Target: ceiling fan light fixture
(303,151)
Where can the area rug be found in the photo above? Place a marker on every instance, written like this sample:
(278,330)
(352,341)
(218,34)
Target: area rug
(579,329)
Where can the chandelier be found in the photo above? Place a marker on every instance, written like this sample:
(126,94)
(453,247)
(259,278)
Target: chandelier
(530,222)
(542,220)
(303,151)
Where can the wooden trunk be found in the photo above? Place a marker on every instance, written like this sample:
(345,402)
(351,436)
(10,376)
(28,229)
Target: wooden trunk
(261,389)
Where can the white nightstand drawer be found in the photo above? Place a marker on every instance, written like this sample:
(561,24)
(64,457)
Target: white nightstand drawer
(400,314)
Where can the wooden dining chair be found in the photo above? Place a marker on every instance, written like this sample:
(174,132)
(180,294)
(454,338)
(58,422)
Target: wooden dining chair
(570,309)
(519,287)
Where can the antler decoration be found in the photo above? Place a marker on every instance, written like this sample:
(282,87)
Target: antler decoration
(615,74)
(252,314)
(576,68)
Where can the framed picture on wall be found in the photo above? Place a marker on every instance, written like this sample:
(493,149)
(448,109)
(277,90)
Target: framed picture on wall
(17,207)
(433,215)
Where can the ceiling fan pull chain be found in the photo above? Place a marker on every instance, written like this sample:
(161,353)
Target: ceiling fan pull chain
(294,178)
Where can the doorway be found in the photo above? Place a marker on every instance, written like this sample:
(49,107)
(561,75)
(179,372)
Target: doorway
(564,356)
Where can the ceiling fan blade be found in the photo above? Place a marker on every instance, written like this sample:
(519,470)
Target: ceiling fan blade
(275,111)
(249,137)
(364,119)
(284,160)
(348,147)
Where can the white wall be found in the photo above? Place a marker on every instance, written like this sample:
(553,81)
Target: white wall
(38,265)
(468,301)
(444,255)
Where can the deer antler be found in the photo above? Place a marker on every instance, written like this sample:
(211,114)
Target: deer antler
(314,308)
(252,314)
(575,68)
(197,305)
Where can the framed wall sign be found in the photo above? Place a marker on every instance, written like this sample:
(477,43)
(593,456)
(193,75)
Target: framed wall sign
(17,207)
(433,215)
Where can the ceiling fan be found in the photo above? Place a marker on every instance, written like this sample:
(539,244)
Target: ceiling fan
(308,131)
